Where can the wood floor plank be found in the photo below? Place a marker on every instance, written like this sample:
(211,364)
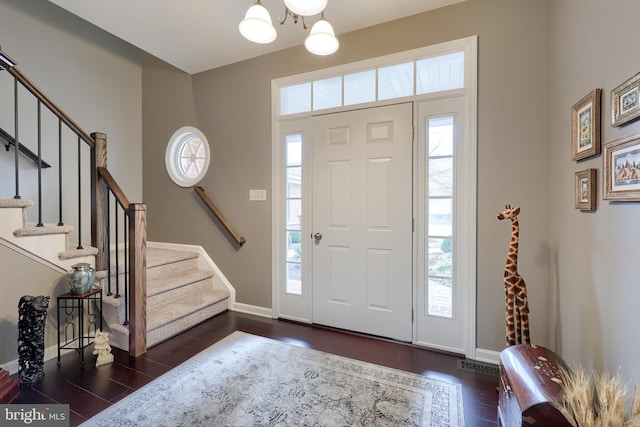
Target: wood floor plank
(89,389)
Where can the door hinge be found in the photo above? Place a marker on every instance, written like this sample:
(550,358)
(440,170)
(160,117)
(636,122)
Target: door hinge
(413,225)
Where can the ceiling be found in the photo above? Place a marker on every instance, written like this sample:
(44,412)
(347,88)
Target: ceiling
(198,35)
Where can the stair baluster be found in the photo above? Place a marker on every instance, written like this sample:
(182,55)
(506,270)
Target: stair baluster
(15,121)
(40,224)
(79,193)
(126,268)
(60,222)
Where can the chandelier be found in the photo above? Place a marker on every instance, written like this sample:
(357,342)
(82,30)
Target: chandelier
(257,27)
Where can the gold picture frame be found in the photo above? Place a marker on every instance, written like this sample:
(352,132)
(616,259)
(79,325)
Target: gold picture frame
(586,189)
(585,126)
(625,101)
(621,165)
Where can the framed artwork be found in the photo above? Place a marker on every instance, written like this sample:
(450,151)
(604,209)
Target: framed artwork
(586,189)
(585,126)
(621,164)
(625,102)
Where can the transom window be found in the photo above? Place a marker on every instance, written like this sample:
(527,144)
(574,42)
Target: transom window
(404,79)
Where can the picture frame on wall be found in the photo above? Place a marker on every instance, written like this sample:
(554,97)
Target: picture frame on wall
(621,165)
(625,102)
(586,189)
(585,126)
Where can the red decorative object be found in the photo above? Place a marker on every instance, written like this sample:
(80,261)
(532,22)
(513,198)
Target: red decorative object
(529,381)
(9,387)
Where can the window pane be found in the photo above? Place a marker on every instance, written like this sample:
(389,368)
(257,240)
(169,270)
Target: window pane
(294,182)
(441,136)
(442,72)
(360,87)
(294,279)
(395,81)
(440,217)
(441,177)
(440,297)
(294,248)
(294,150)
(295,99)
(294,214)
(327,93)
(440,257)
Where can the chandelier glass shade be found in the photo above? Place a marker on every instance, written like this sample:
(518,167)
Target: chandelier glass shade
(306,7)
(258,27)
(322,40)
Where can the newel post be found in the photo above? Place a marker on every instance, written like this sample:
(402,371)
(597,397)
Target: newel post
(137,279)
(99,201)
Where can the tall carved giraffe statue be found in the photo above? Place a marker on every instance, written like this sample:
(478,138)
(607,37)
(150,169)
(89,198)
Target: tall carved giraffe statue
(515,289)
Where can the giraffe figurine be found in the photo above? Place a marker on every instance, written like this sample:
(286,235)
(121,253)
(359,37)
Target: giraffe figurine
(517,308)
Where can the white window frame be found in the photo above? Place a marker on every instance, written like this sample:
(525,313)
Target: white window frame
(172,155)
(301,122)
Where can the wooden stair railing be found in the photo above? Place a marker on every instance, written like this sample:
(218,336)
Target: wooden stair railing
(102,184)
(136,214)
(225,223)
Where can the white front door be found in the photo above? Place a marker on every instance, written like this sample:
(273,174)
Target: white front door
(362,220)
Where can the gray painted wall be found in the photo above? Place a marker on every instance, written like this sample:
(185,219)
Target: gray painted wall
(233,110)
(593,255)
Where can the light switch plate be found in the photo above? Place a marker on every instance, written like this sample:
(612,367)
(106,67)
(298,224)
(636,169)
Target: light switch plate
(258,195)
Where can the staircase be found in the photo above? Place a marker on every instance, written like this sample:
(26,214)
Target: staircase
(179,296)
(182,290)
(48,243)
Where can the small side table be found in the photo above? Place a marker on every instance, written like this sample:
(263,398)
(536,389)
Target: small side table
(68,304)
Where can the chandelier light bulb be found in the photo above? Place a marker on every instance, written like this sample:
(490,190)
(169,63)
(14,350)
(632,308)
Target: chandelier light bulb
(322,40)
(306,7)
(256,25)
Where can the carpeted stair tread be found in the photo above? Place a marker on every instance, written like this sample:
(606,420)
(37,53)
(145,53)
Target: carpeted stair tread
(176,280)
(176,309)
(78,253)
(160,256)
(179,296)
(45,230)
(15,203)
(157,257)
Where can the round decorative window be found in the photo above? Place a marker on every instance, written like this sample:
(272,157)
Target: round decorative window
(187,156)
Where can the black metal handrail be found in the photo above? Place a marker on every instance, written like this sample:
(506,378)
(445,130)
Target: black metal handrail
(10,141)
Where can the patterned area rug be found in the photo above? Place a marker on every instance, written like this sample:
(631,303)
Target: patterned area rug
(246,380)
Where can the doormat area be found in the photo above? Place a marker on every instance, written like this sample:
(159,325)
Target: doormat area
(479,367)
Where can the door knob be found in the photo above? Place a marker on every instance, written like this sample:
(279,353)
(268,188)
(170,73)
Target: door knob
(317,236)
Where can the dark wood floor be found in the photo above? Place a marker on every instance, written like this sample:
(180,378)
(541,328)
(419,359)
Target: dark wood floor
(88,390)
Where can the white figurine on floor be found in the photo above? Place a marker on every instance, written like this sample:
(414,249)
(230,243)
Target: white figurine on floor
(102,348)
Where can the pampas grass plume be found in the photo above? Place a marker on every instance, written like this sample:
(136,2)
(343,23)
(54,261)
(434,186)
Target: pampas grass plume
(597,400)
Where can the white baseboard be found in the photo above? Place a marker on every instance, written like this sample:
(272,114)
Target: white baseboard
(487,356)
(252,309)
(49,353)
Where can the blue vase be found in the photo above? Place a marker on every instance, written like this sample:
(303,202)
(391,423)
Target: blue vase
(80,279)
